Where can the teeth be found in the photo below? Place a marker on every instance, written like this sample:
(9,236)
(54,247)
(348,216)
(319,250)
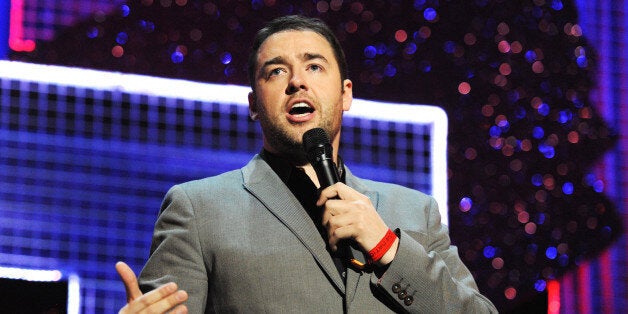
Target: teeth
(300,105)
(301,108)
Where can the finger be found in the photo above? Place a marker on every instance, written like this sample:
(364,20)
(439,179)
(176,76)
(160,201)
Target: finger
(130,281)
(327,194)
(159,300)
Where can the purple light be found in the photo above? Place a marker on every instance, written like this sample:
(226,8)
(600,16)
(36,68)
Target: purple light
(465,204)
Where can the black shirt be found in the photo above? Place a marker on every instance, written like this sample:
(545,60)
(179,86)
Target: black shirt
(306,192)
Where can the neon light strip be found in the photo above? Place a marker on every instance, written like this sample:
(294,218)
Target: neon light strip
(16,28)
(30,274)
(553,297)
(232,94)
(74,294)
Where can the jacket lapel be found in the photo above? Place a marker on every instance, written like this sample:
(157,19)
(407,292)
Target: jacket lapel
(261,181)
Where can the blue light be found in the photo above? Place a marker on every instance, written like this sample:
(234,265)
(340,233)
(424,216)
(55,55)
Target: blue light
(92,32)
(495,131)
(557,5)
(147,26)
(540,285)
(425,66)
(225,58)
(538,132)
(489,251)
(125,10)
(390,70)
(381,48)
(544,109)
(568,188)
(430,14)
(257,4)
(418,4)
(537,179)
(176,57)
(520,112)
(563,260)
(547,150)
(122,38)
(530,56)
(410,48)
(582,61)
(370,52)
(565,116)
(540,219)
(481,3)
(598,186)
(551,252)
(449,46)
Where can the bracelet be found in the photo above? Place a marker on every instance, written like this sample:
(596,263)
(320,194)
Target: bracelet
(382,247)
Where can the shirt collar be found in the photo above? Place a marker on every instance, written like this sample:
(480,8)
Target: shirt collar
(283,168)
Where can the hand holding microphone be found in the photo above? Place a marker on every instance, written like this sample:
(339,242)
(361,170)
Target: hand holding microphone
(350,218)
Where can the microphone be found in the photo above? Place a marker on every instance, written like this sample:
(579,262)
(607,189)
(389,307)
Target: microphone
(319,153)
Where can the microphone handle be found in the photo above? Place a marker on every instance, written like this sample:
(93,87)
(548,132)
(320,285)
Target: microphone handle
(327,174)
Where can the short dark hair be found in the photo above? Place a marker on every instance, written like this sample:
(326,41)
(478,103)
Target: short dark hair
(297,23)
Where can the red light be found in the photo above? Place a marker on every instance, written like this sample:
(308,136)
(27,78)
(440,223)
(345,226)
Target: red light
(16,28)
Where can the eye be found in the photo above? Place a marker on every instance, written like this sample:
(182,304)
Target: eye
(275,72)
(315,67)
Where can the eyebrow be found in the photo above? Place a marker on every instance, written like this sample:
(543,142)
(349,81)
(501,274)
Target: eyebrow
(305,57)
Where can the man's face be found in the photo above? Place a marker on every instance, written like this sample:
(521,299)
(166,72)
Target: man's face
(297,87)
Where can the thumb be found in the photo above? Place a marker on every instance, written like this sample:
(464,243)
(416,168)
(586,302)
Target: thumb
(130,281)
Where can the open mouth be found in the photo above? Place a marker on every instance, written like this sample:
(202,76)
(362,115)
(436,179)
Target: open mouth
(300,108)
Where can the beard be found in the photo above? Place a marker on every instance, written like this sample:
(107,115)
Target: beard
(287,142)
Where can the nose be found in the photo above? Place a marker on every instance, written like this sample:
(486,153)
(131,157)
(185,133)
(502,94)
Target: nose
(296,83)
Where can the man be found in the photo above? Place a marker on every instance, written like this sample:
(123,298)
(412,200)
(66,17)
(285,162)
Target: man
(261,239)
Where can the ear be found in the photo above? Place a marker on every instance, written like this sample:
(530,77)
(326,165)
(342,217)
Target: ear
(252,106)
(347,94)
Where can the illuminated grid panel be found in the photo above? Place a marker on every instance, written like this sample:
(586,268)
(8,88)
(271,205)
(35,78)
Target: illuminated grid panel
(87,159)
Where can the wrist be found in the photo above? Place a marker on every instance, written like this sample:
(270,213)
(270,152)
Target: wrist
(384,252)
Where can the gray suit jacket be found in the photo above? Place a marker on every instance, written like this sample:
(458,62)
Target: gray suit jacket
(241,242)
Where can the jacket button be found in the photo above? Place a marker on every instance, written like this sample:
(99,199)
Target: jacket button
(396,288)
(403,294)
(408,300)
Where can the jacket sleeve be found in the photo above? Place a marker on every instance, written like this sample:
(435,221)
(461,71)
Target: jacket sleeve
(176,254)
(427,274)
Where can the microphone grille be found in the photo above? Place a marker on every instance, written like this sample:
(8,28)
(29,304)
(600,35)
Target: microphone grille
(314,141)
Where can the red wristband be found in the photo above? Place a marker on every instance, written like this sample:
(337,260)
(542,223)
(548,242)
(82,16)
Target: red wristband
(382,247)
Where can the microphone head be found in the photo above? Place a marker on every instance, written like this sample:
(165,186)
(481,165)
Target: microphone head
(316,144)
